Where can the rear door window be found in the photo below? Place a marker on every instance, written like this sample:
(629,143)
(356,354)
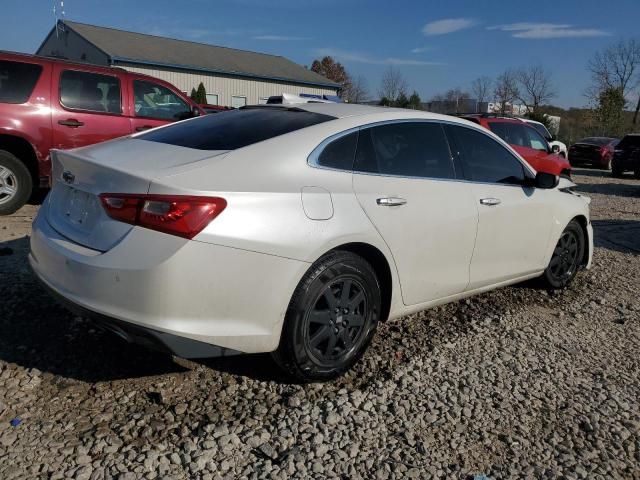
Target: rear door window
(92,92)
(484,159)
(17,81)
(536,141)
(235,129)
(408,149)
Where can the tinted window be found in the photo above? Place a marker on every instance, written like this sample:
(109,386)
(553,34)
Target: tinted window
(155,101)
(484,159)
(412,149)
(629,141)
(235,128)
(536,141)
(90,91)
(17,81)
(542,130)
(339,153)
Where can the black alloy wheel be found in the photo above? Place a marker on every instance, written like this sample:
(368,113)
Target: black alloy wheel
(331,318)
(566,257)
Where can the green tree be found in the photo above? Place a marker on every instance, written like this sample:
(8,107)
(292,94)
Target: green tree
(538,116)
(194,94)
(610,111)
(201,94)
(414,101)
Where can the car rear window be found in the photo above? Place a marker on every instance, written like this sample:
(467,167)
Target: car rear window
(17,81)
(236,128)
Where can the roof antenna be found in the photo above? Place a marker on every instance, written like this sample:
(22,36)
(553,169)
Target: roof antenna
(55,15)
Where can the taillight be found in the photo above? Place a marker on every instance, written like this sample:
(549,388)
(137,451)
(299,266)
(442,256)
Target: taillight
(181,215)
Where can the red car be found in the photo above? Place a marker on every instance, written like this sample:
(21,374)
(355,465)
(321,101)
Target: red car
(47,103)
(594,151)
(525,140)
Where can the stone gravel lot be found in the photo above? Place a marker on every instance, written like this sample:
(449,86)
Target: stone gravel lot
(517,383)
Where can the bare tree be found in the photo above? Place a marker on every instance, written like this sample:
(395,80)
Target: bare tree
(535,86)
(393,85)
(506,89)
(358,90)
(456,99)
(481,88)
(616,67)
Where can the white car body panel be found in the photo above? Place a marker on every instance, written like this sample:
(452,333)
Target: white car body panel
(231,284)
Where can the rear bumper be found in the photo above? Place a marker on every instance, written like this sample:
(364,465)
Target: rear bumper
(155,287)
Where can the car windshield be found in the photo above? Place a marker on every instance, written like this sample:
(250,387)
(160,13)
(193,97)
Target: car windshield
(542,130)
(235,128)
(629,141)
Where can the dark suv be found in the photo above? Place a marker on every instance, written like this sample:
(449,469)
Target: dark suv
(47,103)
(626,156)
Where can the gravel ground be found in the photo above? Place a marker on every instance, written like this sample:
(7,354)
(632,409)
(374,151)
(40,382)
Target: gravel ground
(517,383)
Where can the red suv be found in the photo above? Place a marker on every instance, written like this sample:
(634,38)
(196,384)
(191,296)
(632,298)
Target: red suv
(47,103)
(525,140)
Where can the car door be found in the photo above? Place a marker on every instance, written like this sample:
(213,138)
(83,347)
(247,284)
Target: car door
(87,106)
(514,221)
(154,104)
(405,181)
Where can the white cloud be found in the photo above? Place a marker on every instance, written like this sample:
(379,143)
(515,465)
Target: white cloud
(279,38)
(447,25)
(421,49)
(357,57)
(540,31)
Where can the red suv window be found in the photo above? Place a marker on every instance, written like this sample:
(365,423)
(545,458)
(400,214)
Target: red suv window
(17,81)
(90,91)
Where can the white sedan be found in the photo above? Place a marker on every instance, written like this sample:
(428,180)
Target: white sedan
(296,229)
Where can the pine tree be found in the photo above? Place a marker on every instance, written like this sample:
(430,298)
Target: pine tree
(201,94)
(194,94)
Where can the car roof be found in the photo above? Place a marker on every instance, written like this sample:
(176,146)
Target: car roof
(344,110)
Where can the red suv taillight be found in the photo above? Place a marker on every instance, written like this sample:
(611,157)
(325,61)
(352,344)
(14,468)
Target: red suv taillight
(181,215)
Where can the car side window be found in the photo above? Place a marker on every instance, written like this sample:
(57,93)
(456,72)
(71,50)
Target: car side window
(536,141)
(484,159)
(408,149)
(17,81)
(90,91)
(156,101)
(339,153)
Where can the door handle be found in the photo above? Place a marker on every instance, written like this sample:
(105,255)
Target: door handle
(391,201)
(491,202)
(71,122)
(143,128)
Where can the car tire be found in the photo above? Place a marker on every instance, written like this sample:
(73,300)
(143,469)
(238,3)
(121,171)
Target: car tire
(566,258)
(636,173)
(331,318)
(16,183)
(616,171)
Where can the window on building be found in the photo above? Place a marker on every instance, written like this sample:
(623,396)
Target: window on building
(17,81)
(90,91)
(156,101)
(238,101)
(212,99)
(411,149)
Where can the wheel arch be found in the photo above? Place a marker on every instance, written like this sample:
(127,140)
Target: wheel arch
(24,151)
(582,221)
(380,265)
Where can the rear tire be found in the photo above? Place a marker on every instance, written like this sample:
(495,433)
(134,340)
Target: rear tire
(16,183)
(331,318)
(566,258)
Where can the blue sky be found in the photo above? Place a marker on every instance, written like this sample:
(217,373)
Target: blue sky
(436,44)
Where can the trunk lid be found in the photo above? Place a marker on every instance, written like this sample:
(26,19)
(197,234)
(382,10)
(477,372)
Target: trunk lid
(128,165)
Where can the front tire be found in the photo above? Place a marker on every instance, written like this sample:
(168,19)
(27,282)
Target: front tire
(15,183)
(566,257)
(331,318)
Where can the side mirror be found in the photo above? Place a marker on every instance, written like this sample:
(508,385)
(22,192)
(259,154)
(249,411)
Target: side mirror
(555,149)
(546,180)
(195,111)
